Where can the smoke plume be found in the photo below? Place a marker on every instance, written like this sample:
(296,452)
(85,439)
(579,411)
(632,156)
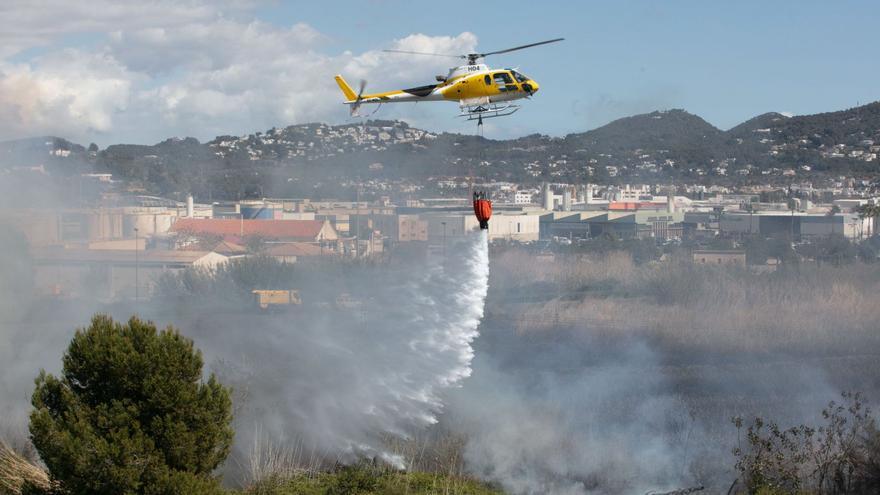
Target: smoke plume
(335,381)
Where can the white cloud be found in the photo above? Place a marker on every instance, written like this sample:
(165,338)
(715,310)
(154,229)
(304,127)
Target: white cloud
(67,93)
(163,69)
(29,23)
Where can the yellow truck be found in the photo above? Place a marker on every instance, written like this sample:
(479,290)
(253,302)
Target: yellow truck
(279,299)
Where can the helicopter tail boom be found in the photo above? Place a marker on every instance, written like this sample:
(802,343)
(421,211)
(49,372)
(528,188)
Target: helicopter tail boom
(349,93)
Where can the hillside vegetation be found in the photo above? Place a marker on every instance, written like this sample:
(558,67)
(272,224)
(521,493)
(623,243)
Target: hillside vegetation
(313,158)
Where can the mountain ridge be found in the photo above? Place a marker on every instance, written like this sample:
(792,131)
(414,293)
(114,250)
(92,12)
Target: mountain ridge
(661,145)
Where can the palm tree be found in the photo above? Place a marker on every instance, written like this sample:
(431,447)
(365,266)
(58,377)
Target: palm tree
(869,211)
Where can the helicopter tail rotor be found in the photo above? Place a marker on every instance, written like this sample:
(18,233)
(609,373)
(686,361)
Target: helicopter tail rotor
(357,100)
(353,99)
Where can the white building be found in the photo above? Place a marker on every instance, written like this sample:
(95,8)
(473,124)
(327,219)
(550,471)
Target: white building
(633,193)
(521,227)
(522,198)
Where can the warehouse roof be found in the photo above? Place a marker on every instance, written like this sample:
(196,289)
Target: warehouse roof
(278,229)
(119,256)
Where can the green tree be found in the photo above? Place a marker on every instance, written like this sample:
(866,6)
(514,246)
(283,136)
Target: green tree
(257,244)
(869,211)
(131,414)
(834,248)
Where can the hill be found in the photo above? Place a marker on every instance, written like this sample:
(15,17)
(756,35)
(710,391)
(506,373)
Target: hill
(312,158)
(38,151)
(653,131)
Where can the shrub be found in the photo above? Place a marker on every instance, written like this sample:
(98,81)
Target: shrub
(131,414)
(840,456)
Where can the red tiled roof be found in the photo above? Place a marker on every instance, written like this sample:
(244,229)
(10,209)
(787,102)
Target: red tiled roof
(294,249)
(632,205)
(276,229)
(226,247)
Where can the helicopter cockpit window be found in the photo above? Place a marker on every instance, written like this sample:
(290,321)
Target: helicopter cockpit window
(519,77)
(488,80)
(504,82)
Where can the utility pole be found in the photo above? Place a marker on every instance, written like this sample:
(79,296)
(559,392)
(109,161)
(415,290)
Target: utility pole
(444,239)
(751,212)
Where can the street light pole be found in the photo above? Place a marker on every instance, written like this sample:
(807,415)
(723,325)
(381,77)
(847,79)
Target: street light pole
(357,235)
(136,267)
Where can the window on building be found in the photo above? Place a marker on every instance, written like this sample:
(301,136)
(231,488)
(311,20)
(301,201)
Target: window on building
(517,227)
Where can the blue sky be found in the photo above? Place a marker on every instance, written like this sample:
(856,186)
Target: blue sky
(724,61)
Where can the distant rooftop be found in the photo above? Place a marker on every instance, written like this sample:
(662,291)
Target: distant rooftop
(117,256)
(279,229)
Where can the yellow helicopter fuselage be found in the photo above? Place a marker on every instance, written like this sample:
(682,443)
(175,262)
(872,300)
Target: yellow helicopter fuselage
(469,85)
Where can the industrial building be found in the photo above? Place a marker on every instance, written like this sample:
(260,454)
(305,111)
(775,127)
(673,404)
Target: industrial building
(522,227)
(795,224)
(249,210)
(82,226)
(111,274)
(637,224)
(396,228)
(279,230)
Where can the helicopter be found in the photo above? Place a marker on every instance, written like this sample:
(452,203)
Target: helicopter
(481,92)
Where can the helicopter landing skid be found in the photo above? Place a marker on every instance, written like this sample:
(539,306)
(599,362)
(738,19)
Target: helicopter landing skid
(487,111)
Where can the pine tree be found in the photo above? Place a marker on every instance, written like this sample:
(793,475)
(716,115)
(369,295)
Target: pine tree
(130,413)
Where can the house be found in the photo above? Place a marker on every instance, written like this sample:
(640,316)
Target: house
(226,248)
(720,257)
(230,249)
(291,252)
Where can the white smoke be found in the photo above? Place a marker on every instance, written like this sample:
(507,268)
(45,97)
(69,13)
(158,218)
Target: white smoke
(610,428)
(338,383)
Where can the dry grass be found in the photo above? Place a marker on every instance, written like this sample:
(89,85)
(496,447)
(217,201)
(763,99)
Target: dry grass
(705,308)
(436,451)
(271,463)
(16,470)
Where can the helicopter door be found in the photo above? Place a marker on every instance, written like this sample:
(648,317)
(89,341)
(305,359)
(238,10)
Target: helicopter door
(504,82)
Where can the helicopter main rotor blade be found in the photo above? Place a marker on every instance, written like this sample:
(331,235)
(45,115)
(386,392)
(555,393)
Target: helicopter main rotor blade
(424,53)
(520,47)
